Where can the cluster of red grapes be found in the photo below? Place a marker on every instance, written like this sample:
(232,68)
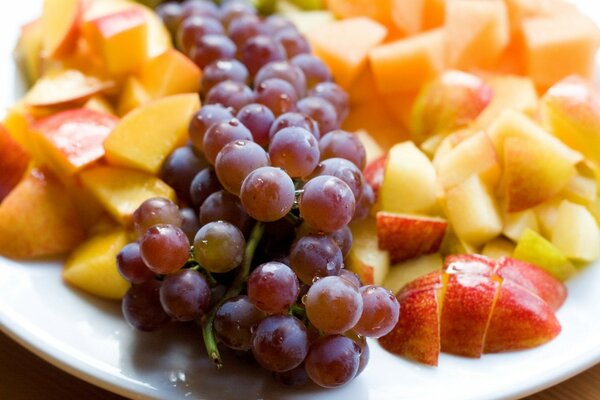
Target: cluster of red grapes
(267,187)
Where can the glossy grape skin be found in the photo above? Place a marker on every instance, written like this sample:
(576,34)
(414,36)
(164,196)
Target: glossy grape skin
(185,295)
(334,94)
(236,160)
(170,14)
(219,134)
(350,277)
(131,266)
(245,27)
(343,238)
(219,246)
(315,256)
(224,206)
(267,194)
(326,203)
(273,287)
(344,170)
(296,119)
(258,118)
(190,223)
(210,48)
(259,51)
(194,27)
(280,343)
(278,23)
(295,150)
(208,115)
(315,70)
(142,309)
(199,7)
(155,210)
(277,94)
(332,361)
(203,185)
(231,10)
(234,322)
(294,377)
(343,144)
(164,248)
(223,70)
(380,312)
(364,203)
(322,111)
(230,94)
(283,70)
(180,168)
(293,42)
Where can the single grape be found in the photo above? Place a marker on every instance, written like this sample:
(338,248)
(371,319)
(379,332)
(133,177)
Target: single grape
(219,246)
(180,168)
(343,238)
(170,14)
(232,10)
(199,7)
(332,361)
(164,248)
(326,203)
(141,307)
(219,134)
(245,27)
(277,22)
(333,304)
(280,343)
(322,111)
(234,322)
(273,287)
(350,277)
(224,206)
(380,312)
(267,194)
(131,266)
(190,223)
(203,185)
(364,203)
(194,27)
(293,42)
(315,70)
(258,118)
(283,70)
(364,356)
(209,48)
(236,160)
(345,170)
(155,210)
(208,115)
(185,295)
(230,94)
(294,377)
(220,71)
(315,256)
(295,150)
(277,94)
(290,119)
(260,50)
(343,144)
(334,94)
(216,294)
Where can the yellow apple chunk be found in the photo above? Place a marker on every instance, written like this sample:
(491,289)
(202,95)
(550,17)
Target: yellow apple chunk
(497,248)
(147,135)
(170,73)
(365,258)
(517,222)
(576,232)
(60,27)
(100,104)
(92,267)
(402,273)
(121,190)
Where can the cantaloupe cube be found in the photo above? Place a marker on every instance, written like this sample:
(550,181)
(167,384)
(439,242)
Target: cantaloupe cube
(344,46)
(414,16)
(521,10)
(560,46)
(379,10)
(477,32)
(378,122)
(170,73)
(363,89)
(400,106)
(404,65)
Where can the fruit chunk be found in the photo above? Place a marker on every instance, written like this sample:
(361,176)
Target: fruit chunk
(413,16)
(132,96)
(73,139)
(406,64)
(576,233)
(60,27)
(365,258)
(518,222)
(377,10)
(409,270)
(477,32)
(146,136)
(13,162)
(121,191)
(498,247)
(92,266)
(344,46)
(407,236)
(28,50)
(170,73)
(37,219)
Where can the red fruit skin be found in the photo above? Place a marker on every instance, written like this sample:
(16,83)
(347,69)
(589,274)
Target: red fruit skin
(13,163)
(469,264)
(373,173)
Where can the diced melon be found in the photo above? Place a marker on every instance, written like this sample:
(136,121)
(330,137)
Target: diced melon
(344,46)
(363,89)
(378,10)
(406,64)
(400,105)
(414,16)
(477,32)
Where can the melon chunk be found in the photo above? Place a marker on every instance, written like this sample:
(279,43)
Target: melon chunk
(477,32)
(344,46)
(414,16)
(377,10)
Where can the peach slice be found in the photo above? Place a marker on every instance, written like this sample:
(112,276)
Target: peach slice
(13,162)
(170,73)
(60,27)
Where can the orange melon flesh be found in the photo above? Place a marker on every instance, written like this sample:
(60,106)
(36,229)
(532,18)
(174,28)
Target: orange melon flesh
(378,10)
(404,65)
(344,46)
(414,16)
(559,46)
(380,124)
(477,32)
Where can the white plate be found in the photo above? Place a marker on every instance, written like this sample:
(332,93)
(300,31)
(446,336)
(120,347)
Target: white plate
(88,338)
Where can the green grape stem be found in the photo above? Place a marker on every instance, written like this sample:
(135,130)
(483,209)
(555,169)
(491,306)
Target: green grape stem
(210,341)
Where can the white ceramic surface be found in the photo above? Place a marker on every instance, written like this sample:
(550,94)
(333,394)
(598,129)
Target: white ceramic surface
(88,338)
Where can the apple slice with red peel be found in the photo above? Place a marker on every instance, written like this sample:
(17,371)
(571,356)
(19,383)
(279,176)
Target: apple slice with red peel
(60,27)
(373,173)
(13,162)
(469,264)
(407,236)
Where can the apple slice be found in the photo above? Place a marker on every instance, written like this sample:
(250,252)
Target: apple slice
(498,247)
(13,163)
(514,224)
(60,27)
(29,48)
(374,172)
(576,233)
(402,273)
(407,236)
(365,258)
(469,264)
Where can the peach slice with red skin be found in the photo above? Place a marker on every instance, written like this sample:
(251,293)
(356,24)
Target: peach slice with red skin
(13,162)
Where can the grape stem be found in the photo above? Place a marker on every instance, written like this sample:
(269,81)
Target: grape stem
(210,341)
